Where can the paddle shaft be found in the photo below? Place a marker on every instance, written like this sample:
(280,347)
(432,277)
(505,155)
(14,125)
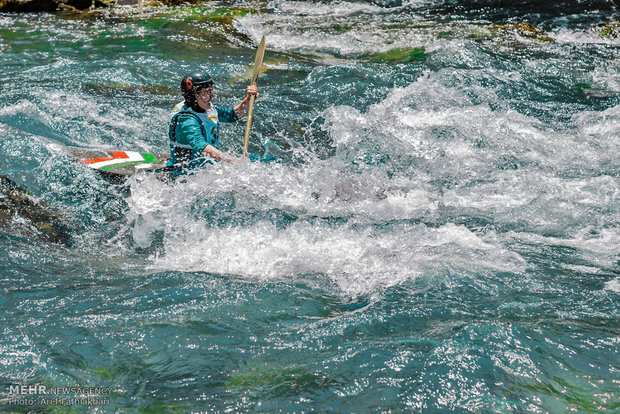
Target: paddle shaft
(248,126)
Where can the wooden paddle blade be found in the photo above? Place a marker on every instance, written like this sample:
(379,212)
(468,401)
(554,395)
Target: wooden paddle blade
(258,62)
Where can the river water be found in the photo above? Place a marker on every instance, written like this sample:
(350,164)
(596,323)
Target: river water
(439,233)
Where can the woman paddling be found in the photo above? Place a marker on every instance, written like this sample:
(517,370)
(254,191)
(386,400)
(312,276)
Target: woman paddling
(194,127)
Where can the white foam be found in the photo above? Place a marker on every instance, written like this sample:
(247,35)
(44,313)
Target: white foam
(582,269)
(600,247)
(613,285)
(337,8)
(359,262)
(364,227)
(336,28)
(359,256)
(591,36)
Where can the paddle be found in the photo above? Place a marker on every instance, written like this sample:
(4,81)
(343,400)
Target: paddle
(258,62)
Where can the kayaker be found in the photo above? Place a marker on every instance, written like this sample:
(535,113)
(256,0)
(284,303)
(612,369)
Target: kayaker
(194,127)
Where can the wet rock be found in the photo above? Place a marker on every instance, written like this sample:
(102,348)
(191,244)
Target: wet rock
(25,6)
(610,30)
(22,215)
(49,5)
(223,15)
(522,29)
(28,5)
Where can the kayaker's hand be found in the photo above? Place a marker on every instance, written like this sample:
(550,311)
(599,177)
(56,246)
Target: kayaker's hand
(242,108)
(211,152)
(252,90)
(228,157)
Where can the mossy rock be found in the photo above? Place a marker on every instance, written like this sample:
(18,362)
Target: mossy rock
(610,30)
(399,55)
(221,15)
(524,30)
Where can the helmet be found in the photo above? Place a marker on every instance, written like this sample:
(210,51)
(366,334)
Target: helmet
(193,80)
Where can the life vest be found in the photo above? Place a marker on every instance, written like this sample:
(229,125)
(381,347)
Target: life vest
(183,155)
(183,152)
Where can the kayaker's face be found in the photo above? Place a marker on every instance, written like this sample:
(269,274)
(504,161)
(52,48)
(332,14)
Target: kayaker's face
(204,96)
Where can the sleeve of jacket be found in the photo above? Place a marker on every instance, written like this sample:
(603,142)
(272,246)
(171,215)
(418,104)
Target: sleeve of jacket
(226,114)
(189,132)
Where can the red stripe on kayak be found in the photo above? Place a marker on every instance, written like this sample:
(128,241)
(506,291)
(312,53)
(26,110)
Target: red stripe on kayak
(115,155)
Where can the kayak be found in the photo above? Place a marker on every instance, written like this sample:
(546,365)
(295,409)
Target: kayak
(119,163)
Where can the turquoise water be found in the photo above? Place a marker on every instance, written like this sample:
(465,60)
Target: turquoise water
(440,234)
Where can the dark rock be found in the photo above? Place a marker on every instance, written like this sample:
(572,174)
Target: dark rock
(22,215)
(28,5)
(536,11)
(49,5)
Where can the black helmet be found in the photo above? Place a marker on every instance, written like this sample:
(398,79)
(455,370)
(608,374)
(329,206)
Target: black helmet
(194,80)
(190,83)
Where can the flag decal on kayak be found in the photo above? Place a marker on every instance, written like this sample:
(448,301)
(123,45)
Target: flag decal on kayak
(120,159)
(114,163)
